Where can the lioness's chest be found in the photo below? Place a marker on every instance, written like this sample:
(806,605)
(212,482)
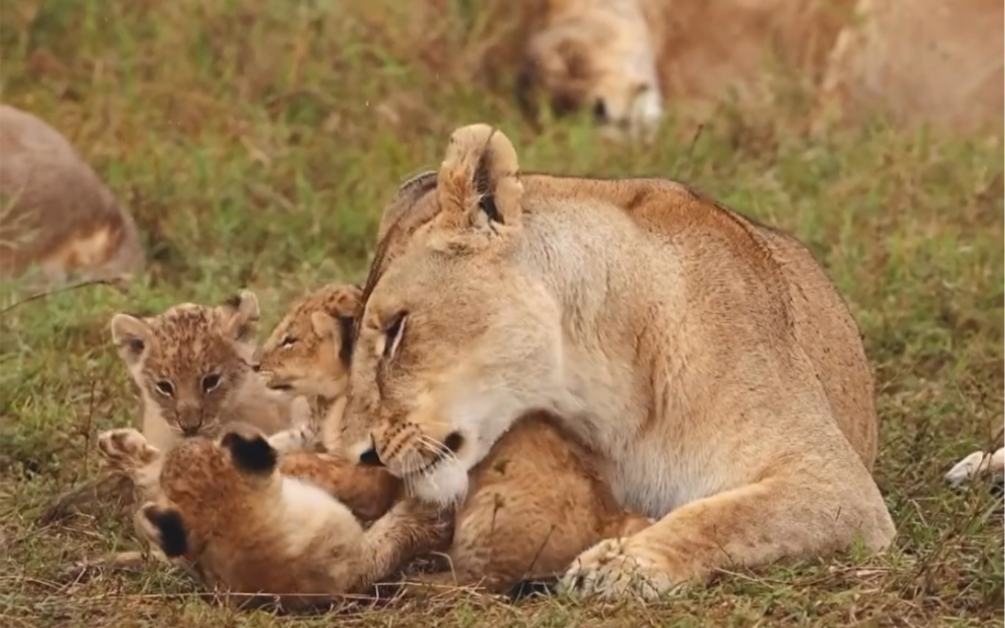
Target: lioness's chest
(649,477)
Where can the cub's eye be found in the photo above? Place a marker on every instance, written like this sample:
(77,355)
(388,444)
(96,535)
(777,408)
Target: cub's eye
(165,387)
(287,342)
(393,332)
(210,382)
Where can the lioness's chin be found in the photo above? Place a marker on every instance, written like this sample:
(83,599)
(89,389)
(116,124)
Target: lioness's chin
(445,485)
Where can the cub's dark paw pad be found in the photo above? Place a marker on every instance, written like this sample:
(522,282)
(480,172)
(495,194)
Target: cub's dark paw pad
(253,454)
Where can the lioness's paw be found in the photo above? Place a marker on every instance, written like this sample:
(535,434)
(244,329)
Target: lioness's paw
(126,449)
(615,568)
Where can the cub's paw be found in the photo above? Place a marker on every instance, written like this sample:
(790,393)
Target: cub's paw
(429,525)
(303,438)
(126,449)
(615,568)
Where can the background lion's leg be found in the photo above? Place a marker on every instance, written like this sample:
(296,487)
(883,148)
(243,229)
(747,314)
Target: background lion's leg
(783,517)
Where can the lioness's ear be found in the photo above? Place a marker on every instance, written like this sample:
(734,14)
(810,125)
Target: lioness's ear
(167,528)
(250,451)
(242,310)
(131,335)
(477,187)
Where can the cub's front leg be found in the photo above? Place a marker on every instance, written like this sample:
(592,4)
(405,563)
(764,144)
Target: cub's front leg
(127,451)
(409,529)
(795,513)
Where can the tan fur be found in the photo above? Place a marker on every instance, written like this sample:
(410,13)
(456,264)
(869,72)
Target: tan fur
(706,358)
(625,58)
(55,212)
(533,504)
(200,356)
(256,536)
(305,354)
(512,525)
(938,61)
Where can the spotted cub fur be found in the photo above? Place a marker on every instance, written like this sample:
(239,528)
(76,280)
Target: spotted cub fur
(223,509)
(192,364)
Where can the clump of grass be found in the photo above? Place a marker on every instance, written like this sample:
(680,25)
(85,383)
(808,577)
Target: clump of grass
(256,143)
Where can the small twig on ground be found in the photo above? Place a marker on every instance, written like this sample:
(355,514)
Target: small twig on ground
(117,283)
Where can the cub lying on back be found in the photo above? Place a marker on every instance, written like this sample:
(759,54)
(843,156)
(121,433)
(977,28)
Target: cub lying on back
(192,366)
(223,508)
(535,502)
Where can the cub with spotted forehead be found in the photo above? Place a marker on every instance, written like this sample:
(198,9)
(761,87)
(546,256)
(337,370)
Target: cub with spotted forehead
(307,355)
(223,509)
(536,501)
(706,358)
(191,364)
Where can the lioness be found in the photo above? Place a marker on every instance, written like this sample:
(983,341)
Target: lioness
(536,500)
(706,357)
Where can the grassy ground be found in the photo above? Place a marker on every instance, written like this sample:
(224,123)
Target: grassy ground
(256,143)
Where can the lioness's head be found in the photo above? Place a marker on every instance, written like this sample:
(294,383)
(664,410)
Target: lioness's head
(191,360)
(599,57)
(308,352)
(455,341)
(206,481)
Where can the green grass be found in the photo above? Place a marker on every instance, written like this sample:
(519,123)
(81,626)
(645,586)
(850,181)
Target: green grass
(256,143)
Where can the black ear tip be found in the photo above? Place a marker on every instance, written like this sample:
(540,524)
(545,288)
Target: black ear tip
(172,529)
(253,453)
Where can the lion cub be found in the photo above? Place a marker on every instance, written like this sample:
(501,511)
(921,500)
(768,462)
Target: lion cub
(305,354)
(224,509)
(534,503)
(192,366)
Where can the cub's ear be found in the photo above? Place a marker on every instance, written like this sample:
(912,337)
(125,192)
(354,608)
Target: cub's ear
(250,450)
(242,310)
(324,324)
(131,335)
(166,528)
(338,327)
(477,186)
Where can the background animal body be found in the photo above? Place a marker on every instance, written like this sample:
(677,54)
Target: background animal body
(914,61)
(248,161)
(56,214)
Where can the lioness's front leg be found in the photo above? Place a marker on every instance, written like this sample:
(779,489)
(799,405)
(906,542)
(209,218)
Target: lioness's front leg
(788,515)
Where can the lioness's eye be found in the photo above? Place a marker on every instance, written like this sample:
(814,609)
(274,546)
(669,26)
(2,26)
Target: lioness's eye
(165,387)
(287,341)
(393,332)
(210,382)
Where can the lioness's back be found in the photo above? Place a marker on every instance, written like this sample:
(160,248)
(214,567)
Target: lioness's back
(796,287)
